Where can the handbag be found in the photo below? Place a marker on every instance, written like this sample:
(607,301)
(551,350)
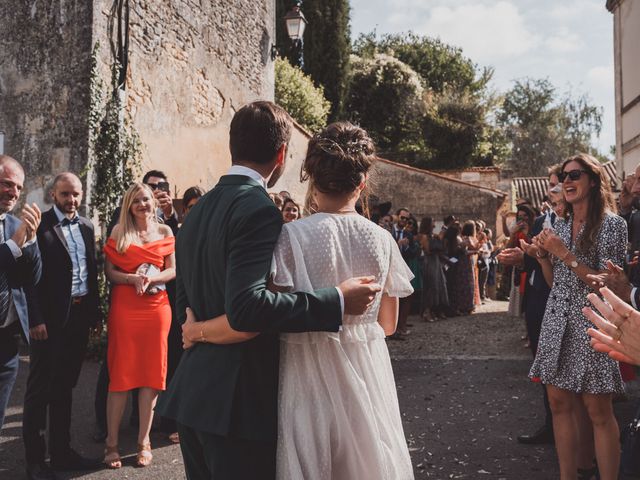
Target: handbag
(630,457)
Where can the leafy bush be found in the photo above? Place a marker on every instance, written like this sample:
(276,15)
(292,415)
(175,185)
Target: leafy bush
(296,93)
(386,98)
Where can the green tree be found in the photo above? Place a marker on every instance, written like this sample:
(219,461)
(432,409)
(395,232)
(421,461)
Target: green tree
(456,129)
(443,68)
(296,93)
(543,129)
(458,133)
(327,46)
(386,98)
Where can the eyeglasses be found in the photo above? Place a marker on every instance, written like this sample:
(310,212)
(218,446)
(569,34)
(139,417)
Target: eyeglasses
(572,174)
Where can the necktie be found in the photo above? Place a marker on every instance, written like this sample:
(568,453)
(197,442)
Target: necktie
(5,291)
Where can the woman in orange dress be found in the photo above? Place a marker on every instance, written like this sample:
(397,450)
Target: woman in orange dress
(140,260)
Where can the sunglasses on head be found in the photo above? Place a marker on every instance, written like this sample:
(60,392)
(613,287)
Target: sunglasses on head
(573,175)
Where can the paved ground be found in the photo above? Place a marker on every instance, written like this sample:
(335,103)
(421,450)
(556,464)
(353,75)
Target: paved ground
(463,393)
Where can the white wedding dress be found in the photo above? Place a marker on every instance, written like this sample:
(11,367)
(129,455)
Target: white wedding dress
(338,414)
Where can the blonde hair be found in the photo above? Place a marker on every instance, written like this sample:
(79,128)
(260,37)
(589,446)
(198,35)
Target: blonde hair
(126,232)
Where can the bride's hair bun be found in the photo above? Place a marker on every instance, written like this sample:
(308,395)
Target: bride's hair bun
(338,158)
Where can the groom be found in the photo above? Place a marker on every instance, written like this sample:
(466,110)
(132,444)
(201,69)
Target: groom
(224,397)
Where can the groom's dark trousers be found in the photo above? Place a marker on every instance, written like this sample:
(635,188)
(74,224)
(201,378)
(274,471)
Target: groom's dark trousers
(224,397)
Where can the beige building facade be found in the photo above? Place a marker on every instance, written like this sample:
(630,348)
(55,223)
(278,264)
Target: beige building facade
(626,33)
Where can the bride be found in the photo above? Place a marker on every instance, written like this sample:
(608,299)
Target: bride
(338,414)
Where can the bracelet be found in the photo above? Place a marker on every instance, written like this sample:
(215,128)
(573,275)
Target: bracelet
(202,338)
(542,256)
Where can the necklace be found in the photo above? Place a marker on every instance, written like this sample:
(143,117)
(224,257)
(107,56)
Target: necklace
(342,212)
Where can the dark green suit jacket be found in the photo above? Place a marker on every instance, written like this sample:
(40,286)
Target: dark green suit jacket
(223,254)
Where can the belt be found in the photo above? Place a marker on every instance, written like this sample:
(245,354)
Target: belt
(77,300)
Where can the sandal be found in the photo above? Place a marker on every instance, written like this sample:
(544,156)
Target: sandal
(144,456)
(112,457)
(174,437)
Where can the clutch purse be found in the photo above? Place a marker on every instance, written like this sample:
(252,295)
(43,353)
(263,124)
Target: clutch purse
(151,270)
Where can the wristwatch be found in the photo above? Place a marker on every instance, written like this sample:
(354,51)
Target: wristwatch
(573,263)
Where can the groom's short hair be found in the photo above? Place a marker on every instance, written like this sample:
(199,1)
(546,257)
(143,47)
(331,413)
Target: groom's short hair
(258,130)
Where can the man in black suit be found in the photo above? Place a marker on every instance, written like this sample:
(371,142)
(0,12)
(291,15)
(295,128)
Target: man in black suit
(66,308)
(224,397)
(20,270)
(536,294)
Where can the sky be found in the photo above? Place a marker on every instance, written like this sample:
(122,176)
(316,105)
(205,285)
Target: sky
(569,42)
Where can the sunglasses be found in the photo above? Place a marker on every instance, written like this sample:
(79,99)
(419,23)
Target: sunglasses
(404,218)
(573,175)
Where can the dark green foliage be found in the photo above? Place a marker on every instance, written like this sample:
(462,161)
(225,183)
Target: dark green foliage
(326,46)
(451,129)
(385,98)
(442,67)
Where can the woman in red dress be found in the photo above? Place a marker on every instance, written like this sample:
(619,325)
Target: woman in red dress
(140,261)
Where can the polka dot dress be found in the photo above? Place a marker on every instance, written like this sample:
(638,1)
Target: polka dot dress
(565,358)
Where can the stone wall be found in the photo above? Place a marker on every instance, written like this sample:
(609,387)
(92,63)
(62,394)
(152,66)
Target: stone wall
(45,48)
(426,193)
(481,176)
(193,63)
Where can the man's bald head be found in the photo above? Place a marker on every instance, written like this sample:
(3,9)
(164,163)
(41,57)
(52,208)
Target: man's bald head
(66,177)
(9,162)
(66,193)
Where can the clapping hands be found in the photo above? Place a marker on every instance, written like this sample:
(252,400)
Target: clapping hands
(613,278)
(618,332)
(549,241)
(26,232)
(511,256)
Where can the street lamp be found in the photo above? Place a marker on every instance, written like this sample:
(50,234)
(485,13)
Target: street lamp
(296,24)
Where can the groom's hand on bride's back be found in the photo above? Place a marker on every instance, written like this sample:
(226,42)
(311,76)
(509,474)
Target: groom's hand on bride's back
(359,293)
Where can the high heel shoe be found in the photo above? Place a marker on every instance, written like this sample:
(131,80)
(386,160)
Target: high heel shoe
(144,455)
(112,457)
